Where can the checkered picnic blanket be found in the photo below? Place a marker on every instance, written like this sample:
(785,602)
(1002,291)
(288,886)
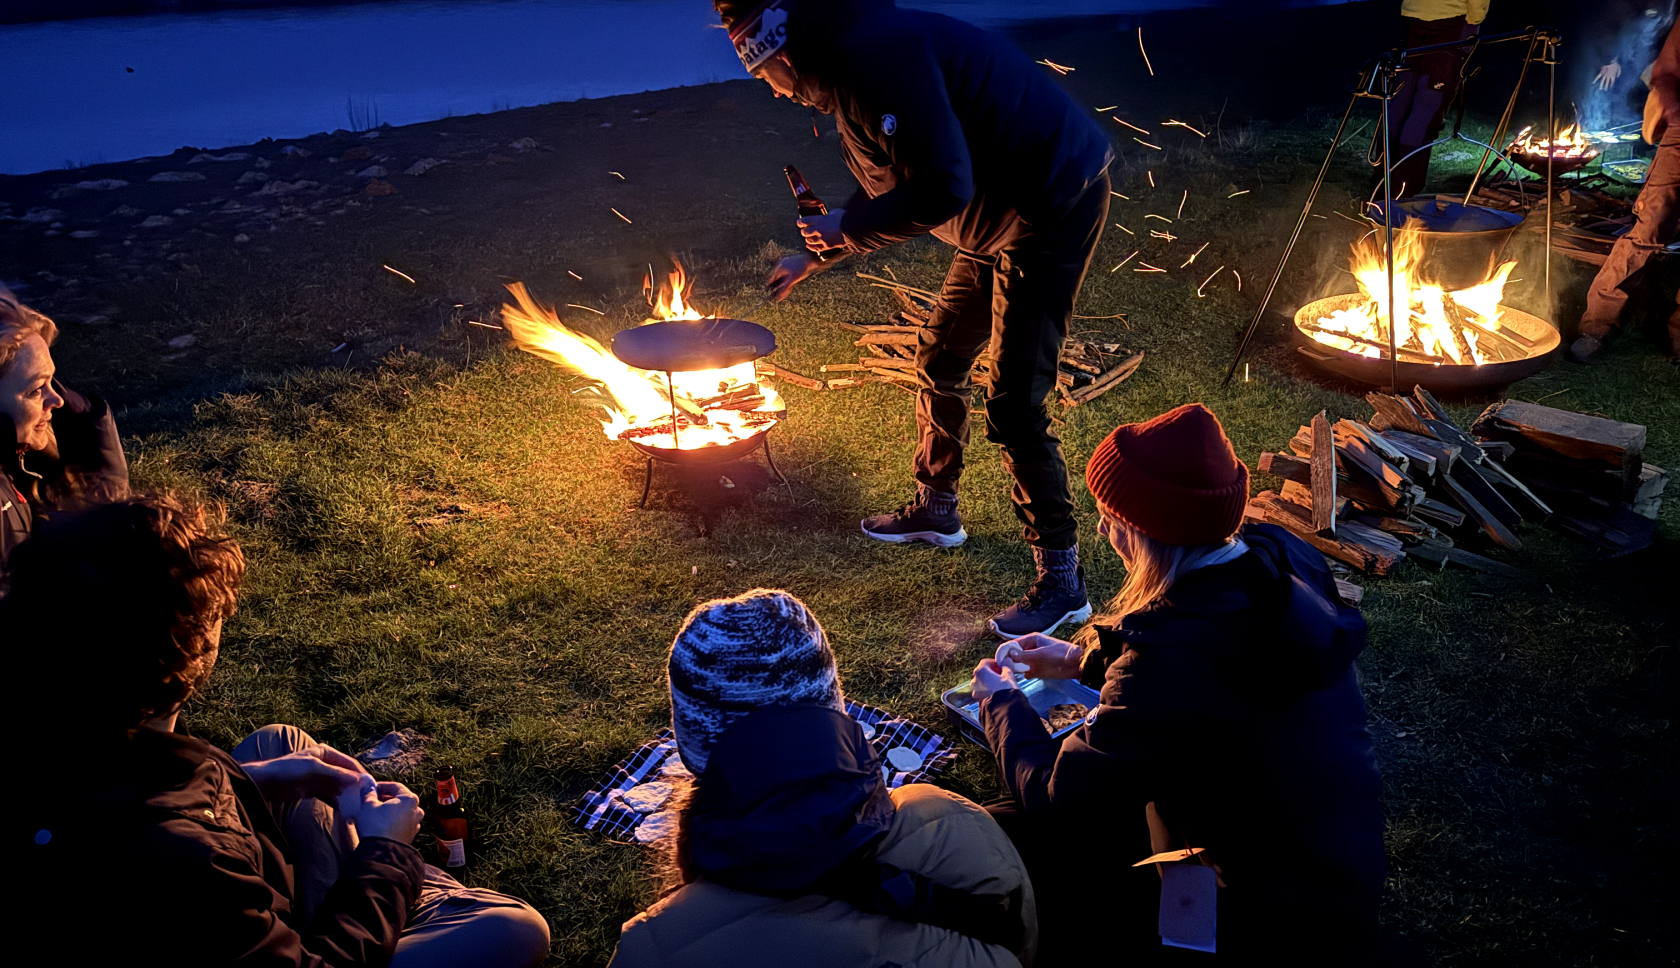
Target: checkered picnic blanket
(604,808)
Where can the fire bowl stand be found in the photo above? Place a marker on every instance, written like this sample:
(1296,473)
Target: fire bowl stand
(1378,81)
(727,454)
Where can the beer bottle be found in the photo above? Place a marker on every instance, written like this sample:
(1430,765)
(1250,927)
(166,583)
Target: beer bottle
(809,203)
(451,821)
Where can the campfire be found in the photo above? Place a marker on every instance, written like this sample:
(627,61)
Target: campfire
(1435,328)
(682,405)
(1570,150)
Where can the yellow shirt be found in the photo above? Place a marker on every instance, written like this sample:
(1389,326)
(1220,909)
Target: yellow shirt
(1473,11)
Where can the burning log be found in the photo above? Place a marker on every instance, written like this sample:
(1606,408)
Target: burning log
(749,397)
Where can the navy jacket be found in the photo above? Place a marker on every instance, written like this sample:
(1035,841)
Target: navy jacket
(1234,706)
(949,129)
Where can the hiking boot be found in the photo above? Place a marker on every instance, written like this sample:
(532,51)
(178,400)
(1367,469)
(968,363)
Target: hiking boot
(1586,349)
(1056,596)
(931,517)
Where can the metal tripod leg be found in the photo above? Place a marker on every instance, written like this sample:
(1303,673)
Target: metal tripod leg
(647,485)
(765,440)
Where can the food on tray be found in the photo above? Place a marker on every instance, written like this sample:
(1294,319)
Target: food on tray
(1063,715)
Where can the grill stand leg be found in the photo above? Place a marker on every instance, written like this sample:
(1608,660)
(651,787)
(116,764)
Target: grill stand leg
(765,438)
(647,485)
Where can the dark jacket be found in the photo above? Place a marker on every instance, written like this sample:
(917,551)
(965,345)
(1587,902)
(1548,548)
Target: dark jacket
(1234,706)
(85,464)
(949,129)
(161,851)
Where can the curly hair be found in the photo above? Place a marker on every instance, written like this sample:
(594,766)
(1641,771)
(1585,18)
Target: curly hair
(131,593)
(17,323)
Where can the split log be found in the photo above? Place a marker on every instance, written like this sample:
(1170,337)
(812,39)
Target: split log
(1647,498)
(1499,450)
(1622,533)
(1476,481)
(1573,436)
(888,338)
(797,379)
(1442,514)
(1377,558)
(1402,528)
(1527,503)
(1323,476)
(840,367)
(844,383)
(1109,380)
(1395,412)
(1378,442)
(1382,483)
(1484,518)
(1442,554)
(1443,454)
(1349,592)
(1298,471)
(902,366)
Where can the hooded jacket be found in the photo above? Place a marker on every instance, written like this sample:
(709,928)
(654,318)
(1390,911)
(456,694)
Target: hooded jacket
(796,854)
(86,462)
(175,849)
(949,129)
(1234,706)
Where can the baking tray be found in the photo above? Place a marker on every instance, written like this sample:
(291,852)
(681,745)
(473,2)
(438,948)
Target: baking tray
(963,710)
(1629,171)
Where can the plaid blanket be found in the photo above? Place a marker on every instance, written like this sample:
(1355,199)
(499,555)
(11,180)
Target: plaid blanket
(628,804)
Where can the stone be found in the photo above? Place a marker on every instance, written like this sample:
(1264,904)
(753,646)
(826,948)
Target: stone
(295,152)
(156,221)
(230,156)
(497,160)
(124,211)
(176,176)
(523,144)
(370,135)
(42,215)
(251,176)
(85,234)
(358,153)
(182,342)
(422,166)
(242,237)
(372,171)
(379,186)
(181,211)
(277,187)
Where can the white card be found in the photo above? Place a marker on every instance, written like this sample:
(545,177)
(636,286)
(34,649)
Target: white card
(1189,906)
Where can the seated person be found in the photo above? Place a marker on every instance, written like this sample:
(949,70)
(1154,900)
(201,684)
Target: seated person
(1230,719)
(144,846)
(58,448)
(789,848)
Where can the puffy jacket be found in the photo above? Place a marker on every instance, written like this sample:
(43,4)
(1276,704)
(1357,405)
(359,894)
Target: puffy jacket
(86,463)
(1234,706)
(183,864)
(772,824)
(949,129)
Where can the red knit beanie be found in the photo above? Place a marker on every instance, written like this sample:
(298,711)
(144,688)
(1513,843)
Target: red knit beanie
(1175,478)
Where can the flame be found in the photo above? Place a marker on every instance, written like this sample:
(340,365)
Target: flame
(712,407)
(1571,142)
(1431,324)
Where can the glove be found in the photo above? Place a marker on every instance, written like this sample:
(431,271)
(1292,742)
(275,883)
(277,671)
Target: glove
(991,679)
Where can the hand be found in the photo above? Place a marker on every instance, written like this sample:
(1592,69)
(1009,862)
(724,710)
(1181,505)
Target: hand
(1042,657)
(1608,74)
(822,232)
(389,810)
(320,772)
(991,679)
(790,272)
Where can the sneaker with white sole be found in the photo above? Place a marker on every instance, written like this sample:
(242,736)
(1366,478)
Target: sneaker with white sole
(918,521)
(1043,608)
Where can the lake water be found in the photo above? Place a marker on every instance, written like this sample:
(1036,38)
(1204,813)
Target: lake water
(81,92)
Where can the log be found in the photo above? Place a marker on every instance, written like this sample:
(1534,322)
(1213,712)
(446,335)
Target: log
(1499,450)
(1449,433)
(1378,442)
(1527,503)
(1323,476)
(840,367)
(888,338)
(888,364)
(1485,519)
(1573,436)
(1443,554)
(1445,455)
(1442,514)
(1622,533)
(1270,507)
(1647,498)
(797,379)
(1349,592)
(1396,413)
(1082,365)
(1110,380)
(1476,481)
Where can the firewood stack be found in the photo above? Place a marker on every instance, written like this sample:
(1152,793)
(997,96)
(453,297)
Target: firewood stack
(1087,369)
(1370,494)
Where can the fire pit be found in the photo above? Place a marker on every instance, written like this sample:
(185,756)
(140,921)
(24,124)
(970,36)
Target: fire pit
(1450,340)
(1569,151)
(680,388)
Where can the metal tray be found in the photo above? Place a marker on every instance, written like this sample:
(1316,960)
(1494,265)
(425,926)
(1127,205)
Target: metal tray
(963,710)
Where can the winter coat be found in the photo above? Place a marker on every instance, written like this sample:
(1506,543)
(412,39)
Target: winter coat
(771,834)
(1234,706)
(176,850)
(86,464)
(949,129)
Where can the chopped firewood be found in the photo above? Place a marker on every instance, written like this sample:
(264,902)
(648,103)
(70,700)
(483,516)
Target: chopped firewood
(1428,406)
(1364,548)
(1499,450)
(1476,481)
(1081,365)
(840,367)
(749,397)
(1521,497)
(888,339)
(1622,533)
(1484,518)
(1381,482)
(1442,554)
(885,364)
(797,379)
(1396,413)
(1109,380)
(1572,436)
(1349,592)
(1647,499)
(1323,476)
(1403,528)
(845,382)
(1442,514)
(1421,445)
(1377,441)
(1299,470)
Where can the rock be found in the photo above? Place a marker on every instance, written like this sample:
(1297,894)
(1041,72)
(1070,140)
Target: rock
(182,211)
(422,166)
(85,234)
(294,151)
(278,187)
(230,156)
(50,232)
(96,320)
(523,144)
(176,176)
(242,237)
(380,187)
(497,160)
(397,752)
(358,153)
(124,211)
(370,135)
(182,342)
(42,215)
(251,176)
(372,171)
(102,185)
(606,124)
(156,221)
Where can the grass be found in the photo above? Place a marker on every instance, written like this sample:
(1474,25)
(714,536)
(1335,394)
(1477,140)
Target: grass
(445,540)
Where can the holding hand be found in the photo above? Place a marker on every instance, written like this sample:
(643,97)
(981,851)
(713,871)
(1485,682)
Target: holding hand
(388,810)
(320,772)
(822,232)
(790,272)
(991,679)
(1042,657)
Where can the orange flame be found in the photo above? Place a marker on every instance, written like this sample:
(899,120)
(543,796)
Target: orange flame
(1571,142)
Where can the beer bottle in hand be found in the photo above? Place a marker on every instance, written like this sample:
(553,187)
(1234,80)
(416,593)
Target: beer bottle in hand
(451,821)
(809,203)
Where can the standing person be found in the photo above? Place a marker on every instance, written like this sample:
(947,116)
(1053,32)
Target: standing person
(789,848)
(1230,720)
(58,448)
(1656,219)
(1429,84)
(154,848)
(952,131)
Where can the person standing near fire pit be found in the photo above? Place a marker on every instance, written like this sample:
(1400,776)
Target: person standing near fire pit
(1428,85)
(952,131)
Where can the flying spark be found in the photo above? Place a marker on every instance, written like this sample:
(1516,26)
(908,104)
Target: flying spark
(1151,175)
(1062,69)
(1163,235)
(1145,53)
(401,273)
(1146,267)
(1118,195)
(1124,229)
(1129,124)
(1124,261)
(574,275)
(1107,109)
(1192,258)
(1161,217)
(1181,202)
(1170,123)
(1239,279)
(618,175)
(1235,194)
(474,322)
(623,216)
(1206,281)
(590,308)
(1146,144)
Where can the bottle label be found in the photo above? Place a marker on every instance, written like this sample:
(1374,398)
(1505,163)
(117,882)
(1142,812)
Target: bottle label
(454,852)
(447,792)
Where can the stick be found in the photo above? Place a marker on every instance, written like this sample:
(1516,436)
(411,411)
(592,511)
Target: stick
(797,379)
(1110,380)
(888,339)
(885,283)
(840,367)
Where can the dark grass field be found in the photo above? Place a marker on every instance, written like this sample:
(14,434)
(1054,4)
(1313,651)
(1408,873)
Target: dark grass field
(441,537)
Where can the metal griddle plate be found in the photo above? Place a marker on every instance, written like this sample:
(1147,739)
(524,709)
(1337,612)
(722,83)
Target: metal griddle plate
(693,344)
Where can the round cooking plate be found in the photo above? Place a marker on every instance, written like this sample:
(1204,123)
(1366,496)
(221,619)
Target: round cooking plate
(693,344)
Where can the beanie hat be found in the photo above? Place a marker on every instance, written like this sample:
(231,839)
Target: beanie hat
(737,655)
(1175,478)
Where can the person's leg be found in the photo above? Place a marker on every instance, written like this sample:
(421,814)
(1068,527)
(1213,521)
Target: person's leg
(1037,282)
(1656,222)
(318,838)
(455,925)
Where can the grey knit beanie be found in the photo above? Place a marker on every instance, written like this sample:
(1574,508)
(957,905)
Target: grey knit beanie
(737,655)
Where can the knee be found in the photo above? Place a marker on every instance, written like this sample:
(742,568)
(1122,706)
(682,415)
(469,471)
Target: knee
(518,932)
(271,741)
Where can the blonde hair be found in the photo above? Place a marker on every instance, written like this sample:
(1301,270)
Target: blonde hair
(17,323)
(1151,569)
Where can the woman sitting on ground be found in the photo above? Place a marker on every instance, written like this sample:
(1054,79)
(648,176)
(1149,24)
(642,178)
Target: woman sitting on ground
(58,448)
(789,848)
(1230,719)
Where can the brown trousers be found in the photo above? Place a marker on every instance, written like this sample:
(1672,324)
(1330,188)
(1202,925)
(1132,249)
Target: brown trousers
(1656,224)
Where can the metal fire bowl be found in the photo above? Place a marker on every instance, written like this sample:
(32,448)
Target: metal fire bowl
(1456,380)
(1462,242)
(1535,161)
(693,344)
(702,456)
